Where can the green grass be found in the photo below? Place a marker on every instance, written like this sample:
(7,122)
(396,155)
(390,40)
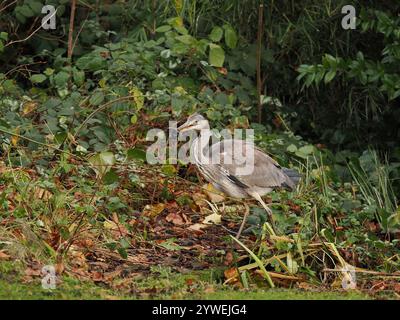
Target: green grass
(72,289)
(165,285)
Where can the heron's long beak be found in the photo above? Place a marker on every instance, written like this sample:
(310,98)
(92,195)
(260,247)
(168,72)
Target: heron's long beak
(185,127)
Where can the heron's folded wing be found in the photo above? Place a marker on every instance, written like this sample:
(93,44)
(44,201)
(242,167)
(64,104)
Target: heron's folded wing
(265,172)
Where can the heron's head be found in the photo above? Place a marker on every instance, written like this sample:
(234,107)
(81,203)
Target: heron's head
(194,122)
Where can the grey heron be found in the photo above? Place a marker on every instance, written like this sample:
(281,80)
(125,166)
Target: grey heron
(228,174)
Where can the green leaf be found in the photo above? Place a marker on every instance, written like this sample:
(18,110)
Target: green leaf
(216,34)
(136,154)
(181,30)
(79,76)
(186,39)
(177,104)
(329,76)
(102,162)
(122,252)
(291,148)
(97,98)
(107,158)
(38,78)
(216,56)
(328,235)
(20,17)
(91,63)
(1,46)
(230,37)
(111,177)
(61,79)
(308,149)
(124,243)
(134,119)
(258,262)
(169,170)
(169,244)
(138,97)
(163,29)
(36,7)
(26,11)
(48,71)
(4,36)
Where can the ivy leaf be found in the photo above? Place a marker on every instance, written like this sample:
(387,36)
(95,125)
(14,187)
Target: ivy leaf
(217,55)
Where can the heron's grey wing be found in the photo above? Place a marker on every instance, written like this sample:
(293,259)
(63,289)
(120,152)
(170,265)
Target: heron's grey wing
(265,172)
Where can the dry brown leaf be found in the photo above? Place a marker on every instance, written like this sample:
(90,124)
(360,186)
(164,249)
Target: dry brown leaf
(59,268)
(197,227)
(231,275)
(228,259)
(213,194)
(200,199)
(32,272)
(153,210)
(209,289)
(213,218)
(175,218)
(3,255)
(97,276)
(43,194)
(28,107)
(223,71)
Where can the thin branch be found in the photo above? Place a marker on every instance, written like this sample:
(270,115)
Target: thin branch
(102,107)
(31,35)
(40,143)
(8,5)
(71,28)
(259,48)
(79,32)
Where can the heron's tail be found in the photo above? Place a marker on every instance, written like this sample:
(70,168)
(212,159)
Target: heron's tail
(293,175)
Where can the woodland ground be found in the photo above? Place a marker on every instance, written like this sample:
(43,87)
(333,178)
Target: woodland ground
(156,285)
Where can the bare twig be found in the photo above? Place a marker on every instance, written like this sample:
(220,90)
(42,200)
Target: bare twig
(79,32)
(259,49)
(40,143)
(102,107)
(8,5)
(71,29)
(32,34)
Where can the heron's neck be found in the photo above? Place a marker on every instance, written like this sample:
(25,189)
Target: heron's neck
(200,144)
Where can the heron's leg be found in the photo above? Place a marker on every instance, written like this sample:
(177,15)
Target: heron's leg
(246,214)
(256,196)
